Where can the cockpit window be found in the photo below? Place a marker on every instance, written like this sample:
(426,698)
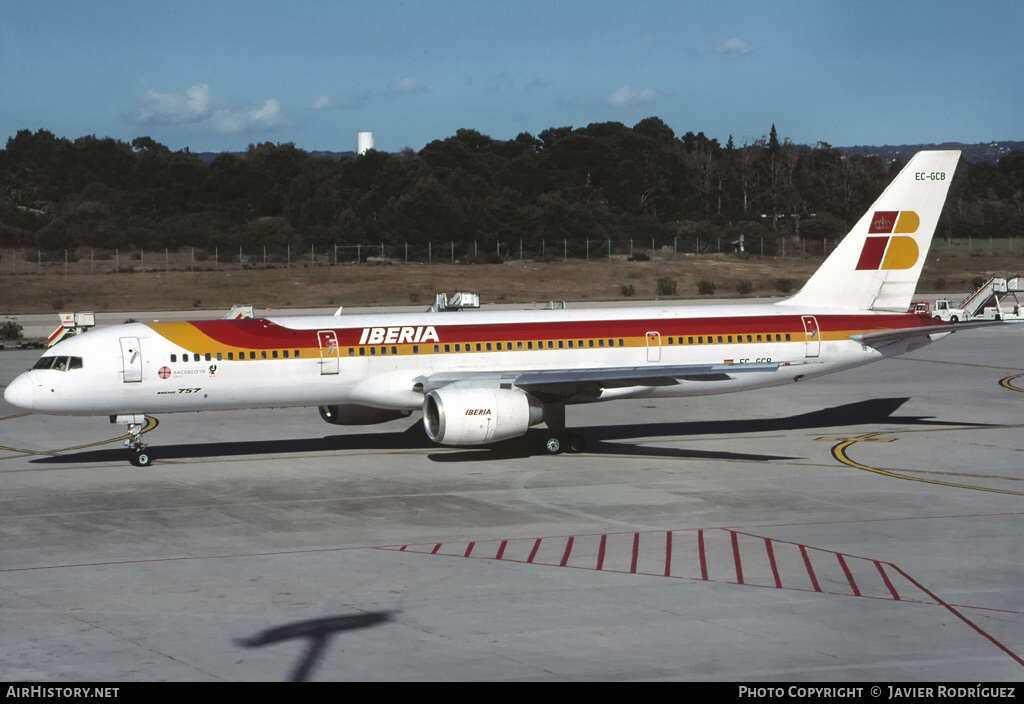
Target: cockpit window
(61,364)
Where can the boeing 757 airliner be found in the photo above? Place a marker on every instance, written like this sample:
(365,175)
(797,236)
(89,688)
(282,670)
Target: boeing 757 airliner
(480,377)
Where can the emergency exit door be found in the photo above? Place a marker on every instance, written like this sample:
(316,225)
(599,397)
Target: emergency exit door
(653,347)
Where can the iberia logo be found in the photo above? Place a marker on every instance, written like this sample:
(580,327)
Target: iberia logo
(888,249)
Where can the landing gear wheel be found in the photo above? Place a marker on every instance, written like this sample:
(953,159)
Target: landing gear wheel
(141,458)
(576,442)
(553,445)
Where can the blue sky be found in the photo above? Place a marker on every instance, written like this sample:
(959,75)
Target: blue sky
(219,75)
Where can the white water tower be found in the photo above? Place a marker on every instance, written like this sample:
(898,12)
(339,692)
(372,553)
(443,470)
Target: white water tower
(364,142)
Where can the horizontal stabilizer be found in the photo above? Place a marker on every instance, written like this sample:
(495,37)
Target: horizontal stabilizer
(874,339)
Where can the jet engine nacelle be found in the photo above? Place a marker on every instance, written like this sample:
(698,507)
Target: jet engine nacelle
(354,414)
(477,416)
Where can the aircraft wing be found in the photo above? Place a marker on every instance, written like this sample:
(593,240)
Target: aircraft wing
(874,339)
(564,383)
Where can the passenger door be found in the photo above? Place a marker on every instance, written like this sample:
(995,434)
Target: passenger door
(813,336)
(131,360)
(329,352)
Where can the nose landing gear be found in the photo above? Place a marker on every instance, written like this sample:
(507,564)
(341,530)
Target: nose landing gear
(137,424)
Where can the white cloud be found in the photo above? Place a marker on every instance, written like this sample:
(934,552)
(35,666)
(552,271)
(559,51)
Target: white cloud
(406,86)
(626,97)
(733,50)
(193,105)
(199,107)
(339,102)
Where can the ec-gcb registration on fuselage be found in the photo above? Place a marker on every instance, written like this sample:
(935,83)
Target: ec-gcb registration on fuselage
(481,377)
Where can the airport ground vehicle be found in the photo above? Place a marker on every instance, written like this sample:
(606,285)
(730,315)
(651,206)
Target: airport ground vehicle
(995,300)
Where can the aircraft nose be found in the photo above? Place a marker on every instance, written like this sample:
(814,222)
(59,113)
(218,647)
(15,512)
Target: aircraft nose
(20,392)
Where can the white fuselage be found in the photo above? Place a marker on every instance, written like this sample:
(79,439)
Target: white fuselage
(385,360)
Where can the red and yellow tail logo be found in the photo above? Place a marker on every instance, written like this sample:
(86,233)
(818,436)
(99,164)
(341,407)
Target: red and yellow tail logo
(890,252)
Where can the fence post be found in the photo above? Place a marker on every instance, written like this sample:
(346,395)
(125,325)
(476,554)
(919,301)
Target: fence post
(430,252)
(609,249)
(565,249)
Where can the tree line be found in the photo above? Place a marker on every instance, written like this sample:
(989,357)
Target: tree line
(600,182)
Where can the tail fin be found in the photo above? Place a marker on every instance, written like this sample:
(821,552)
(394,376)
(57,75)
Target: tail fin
(877,265)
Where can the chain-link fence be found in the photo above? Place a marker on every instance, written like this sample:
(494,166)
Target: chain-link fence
(90,260)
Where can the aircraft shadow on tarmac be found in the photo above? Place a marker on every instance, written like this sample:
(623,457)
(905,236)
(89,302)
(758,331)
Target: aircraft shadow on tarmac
(317,633)
(602,439)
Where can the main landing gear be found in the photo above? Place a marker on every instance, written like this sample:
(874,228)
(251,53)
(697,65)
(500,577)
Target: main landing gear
(139,458)
(556,443)
(558,440)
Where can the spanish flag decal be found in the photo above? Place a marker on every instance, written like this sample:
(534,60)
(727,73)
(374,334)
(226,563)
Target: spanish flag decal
(890,252)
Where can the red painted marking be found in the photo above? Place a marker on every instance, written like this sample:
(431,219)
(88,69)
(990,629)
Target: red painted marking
(849,575)
(810,570)
(960,616)
(636,552)
(436,548)
(261,334)
(402,549)
(600,552)
(568,549)
(533,553)
(668,553)
(871,255)
(736,557)
(883,221)
(501,549)
(771,559)
(703,557)
(885,578)
(469,549)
